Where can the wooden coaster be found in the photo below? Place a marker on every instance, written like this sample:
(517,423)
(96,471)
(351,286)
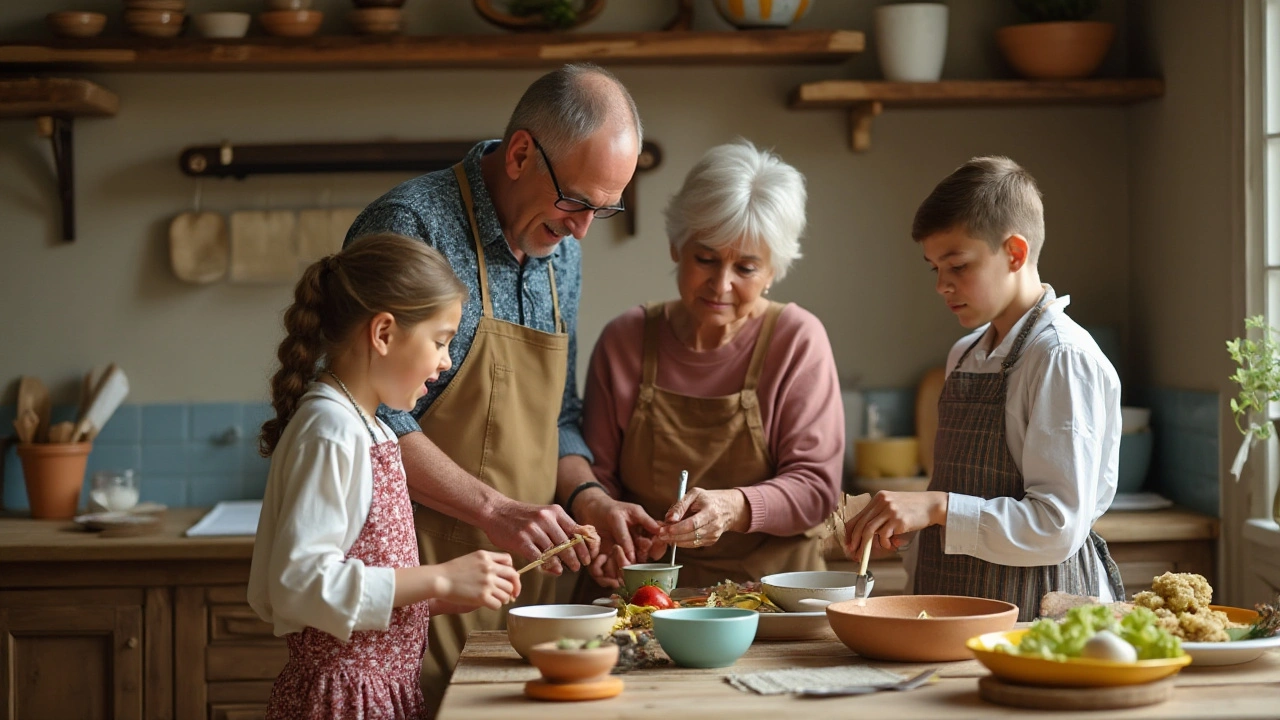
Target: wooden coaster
(599,690)
(1036,697)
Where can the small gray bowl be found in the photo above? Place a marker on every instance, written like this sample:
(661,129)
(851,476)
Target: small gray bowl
(661,574)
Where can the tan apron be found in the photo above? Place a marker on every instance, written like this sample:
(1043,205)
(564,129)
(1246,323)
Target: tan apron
(721,442)
(498,419)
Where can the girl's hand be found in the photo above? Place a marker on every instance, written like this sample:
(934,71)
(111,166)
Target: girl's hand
(702,516)
(479,579)
(891,517)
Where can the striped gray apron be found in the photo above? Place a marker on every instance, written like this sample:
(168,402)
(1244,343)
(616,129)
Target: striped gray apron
(971,457)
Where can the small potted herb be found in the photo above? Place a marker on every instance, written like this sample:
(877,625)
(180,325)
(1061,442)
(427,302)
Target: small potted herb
(1258,375)
(1057,42)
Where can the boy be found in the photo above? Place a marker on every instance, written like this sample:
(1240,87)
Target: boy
(1028,436)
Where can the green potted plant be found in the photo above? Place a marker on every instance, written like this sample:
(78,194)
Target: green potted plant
(1057,42)
(540,15)
(1258,375)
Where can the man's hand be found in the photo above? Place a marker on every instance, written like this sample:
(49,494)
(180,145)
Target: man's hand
(529,530)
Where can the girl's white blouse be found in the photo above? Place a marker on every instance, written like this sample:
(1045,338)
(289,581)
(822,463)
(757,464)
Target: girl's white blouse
(319,490)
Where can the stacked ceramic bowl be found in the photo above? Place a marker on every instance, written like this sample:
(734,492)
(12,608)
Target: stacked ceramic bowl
(155,18)
(290,18)
(76,23)
(377,17)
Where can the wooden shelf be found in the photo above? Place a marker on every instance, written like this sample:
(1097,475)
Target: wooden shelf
(61,97)
(518,51)
(865,100)
(54,102)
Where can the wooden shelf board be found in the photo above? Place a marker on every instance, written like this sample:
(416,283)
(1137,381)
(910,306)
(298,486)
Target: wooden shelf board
(61,97)
(954,93)
(453,51)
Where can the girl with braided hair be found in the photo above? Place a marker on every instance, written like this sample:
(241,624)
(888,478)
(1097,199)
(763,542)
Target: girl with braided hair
(335,563)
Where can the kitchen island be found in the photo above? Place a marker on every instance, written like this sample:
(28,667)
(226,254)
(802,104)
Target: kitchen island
(490,677)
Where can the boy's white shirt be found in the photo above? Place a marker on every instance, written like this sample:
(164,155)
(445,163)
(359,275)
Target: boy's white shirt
(319,491)
(1062,426)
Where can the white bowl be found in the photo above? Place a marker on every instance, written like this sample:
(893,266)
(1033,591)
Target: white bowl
(1134,419)
(528,626)
(222,24)
(786,590)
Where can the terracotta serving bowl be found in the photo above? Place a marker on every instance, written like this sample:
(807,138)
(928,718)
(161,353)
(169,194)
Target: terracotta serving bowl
(1055,50)
(889,628)
(291,23)
(528,626)
(76,24)
(573,666)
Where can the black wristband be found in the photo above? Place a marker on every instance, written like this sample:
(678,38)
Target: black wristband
(568,504)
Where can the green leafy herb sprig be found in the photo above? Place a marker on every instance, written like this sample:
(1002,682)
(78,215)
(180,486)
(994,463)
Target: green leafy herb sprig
(1258,377)
(1056,10)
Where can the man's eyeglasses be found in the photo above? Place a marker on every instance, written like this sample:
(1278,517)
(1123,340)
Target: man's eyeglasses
(569,204)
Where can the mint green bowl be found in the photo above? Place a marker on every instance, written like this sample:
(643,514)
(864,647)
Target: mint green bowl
(705,637)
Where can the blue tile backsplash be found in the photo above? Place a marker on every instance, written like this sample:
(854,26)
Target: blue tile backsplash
(1185,462)
(185,454)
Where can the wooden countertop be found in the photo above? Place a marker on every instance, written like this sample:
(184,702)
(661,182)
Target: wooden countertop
(27,540)
(490,678)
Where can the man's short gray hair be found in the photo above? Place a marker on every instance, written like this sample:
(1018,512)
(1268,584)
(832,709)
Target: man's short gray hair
(737,195)
(565,107)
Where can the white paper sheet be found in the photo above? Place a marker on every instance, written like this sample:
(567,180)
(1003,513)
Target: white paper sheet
(230,517)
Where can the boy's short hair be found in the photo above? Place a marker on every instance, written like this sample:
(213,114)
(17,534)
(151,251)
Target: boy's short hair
(991,198)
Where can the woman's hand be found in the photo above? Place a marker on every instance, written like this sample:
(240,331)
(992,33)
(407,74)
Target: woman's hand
(479,579)
(702,516)
(892,516)
(624,530)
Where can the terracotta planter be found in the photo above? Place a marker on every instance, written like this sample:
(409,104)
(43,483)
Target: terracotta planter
(54,474)
(1056,50)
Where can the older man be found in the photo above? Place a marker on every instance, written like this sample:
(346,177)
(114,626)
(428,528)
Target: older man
(501,430)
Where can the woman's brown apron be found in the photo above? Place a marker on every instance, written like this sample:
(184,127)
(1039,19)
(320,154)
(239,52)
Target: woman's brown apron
(721,442)
(498,419)
(972,458)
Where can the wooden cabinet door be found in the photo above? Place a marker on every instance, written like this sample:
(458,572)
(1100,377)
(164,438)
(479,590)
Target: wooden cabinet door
(72,654)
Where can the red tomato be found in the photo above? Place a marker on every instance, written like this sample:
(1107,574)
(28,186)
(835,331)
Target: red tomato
(652,596)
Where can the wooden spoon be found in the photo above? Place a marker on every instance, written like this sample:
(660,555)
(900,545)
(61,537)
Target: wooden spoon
(27,423)
(61,432)
(34,396)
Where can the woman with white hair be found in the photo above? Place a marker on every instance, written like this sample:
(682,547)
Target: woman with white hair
(739,391)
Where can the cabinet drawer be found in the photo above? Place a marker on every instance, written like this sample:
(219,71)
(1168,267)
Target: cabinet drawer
(236,623)
(246,660)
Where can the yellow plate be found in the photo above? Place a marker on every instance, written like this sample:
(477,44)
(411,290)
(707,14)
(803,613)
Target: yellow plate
(1072,672)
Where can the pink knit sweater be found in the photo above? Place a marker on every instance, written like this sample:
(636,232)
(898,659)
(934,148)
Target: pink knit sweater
(799,402)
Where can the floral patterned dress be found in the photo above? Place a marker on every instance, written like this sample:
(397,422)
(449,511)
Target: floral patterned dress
(375,674)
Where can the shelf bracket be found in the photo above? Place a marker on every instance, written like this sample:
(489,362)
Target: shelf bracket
(59,131)
(860,117)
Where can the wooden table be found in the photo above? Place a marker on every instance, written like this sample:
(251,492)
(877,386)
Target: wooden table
(490,678)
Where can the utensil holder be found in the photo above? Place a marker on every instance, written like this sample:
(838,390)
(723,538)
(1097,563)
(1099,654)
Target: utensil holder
(54,475)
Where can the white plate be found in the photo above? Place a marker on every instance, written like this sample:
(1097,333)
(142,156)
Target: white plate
(1129,502)
(1229,653)
(794,626)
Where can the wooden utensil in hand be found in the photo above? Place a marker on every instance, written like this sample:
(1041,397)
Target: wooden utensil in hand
(576,540)
(861,583)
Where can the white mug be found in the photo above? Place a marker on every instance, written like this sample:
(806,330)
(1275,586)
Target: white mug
(911,41)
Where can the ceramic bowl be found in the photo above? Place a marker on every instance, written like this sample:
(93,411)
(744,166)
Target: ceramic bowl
(528,626)
(222,25)
(1055,50)
(154,23)
(1134,419)
(1072,672)
(76,24)
(288,4)
(170,5)
(377,3)
(889,627)
(786,590)
(569,666)
(705,637)
(376,20)
(291,23)
(663,575)
(752,15)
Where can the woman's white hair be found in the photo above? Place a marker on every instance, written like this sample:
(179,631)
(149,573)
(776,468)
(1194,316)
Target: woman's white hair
(737,195)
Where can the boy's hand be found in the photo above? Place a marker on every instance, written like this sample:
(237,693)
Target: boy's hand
(892,516)
(479,579)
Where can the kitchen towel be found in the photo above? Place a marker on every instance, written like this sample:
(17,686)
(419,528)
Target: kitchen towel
(778,682)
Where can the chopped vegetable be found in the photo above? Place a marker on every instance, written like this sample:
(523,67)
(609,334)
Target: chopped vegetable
(1268,622)
(1058,641)
(924,616)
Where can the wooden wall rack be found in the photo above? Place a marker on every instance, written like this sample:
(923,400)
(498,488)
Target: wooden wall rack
(240,161)
(54,103)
